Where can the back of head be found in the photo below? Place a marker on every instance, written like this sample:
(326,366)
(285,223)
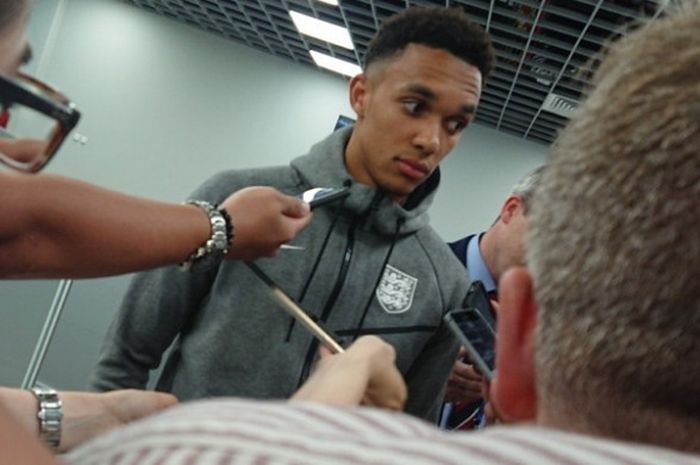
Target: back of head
(525,187)
(447,29)
(614,246)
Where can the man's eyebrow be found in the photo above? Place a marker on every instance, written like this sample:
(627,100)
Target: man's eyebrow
(428,94)
(421,90)
(468,109)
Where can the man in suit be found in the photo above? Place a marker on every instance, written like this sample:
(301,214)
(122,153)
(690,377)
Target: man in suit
(487,256)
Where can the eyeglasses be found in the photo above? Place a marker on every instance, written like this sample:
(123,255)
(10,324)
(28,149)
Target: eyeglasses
(34,121)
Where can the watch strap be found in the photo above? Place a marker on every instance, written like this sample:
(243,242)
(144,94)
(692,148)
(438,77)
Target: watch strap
(49,415)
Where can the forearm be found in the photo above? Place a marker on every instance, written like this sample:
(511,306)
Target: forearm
(22,406)
(69,228)
(82,415)
(85,414)
(17,444)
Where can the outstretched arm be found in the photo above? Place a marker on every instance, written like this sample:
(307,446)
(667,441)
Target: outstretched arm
(18,445)
(58,227)
(85,415)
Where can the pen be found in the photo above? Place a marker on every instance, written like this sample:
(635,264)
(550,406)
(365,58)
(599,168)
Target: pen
(296,311)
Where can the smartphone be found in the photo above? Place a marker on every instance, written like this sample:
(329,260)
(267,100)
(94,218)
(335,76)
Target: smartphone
(478,298)
(319,196)
(477,336)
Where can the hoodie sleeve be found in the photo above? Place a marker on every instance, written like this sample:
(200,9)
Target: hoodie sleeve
(157,307)
(427,376)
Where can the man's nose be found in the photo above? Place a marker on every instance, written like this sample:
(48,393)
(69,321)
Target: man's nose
(428,138)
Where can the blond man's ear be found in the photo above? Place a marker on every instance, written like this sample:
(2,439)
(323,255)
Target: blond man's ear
(513,390)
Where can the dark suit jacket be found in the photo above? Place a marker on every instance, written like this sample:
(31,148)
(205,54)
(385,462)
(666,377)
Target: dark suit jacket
(460,248)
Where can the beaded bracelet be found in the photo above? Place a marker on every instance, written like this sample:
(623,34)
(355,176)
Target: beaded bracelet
(212,252)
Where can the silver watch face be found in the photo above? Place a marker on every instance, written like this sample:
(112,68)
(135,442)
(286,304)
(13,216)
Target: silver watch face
(50,415)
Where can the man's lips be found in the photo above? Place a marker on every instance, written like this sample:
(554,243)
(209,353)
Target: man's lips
(413,169)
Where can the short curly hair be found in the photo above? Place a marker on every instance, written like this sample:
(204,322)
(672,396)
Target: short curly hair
(447,29)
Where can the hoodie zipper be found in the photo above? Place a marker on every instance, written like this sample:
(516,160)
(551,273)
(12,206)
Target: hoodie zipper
(339,283)
(347,256)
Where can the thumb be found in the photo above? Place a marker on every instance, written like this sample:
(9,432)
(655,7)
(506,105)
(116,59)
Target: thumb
(294,207)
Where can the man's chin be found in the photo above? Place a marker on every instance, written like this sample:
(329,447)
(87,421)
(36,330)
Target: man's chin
(399,195)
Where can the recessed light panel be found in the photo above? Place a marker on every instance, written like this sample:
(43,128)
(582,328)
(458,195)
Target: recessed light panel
(335,65)
(323,30)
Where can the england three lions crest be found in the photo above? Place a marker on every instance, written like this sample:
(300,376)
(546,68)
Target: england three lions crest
(395,291)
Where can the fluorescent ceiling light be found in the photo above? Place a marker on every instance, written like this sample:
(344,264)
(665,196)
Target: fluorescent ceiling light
(323,30)
(334,64)
(330,2)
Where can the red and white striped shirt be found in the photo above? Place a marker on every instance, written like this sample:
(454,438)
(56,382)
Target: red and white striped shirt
(236,431)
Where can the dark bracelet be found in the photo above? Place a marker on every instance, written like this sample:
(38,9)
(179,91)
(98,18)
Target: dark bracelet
(229,226)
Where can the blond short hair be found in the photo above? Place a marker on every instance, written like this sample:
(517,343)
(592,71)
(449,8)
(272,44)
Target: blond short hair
(614,239)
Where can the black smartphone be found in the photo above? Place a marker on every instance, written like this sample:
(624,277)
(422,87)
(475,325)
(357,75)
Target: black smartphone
(478,298)
(319,196)
(477,336)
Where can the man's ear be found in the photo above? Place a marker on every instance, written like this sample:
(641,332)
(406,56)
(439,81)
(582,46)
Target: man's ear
(358,94)
(510,208)
(514,389)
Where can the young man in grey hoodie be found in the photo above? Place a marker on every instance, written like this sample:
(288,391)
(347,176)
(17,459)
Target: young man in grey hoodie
(372,264)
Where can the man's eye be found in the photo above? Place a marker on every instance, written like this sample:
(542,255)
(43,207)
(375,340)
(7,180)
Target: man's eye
(454,126)
(413,106)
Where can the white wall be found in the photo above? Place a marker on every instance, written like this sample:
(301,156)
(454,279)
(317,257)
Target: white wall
(164,107)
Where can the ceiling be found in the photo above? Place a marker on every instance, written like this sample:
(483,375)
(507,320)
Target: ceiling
(543,46)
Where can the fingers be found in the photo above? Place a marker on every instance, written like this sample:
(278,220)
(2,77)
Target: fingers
(467,372)
(386,387)
(263,219)
(462,353)
(163,400)
(463,384)
(496,306)
(324,352)
(294,207)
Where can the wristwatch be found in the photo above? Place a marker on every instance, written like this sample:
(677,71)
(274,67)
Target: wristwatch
(50,415)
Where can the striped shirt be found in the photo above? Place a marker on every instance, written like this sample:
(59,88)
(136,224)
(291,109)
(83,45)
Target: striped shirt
(236,431)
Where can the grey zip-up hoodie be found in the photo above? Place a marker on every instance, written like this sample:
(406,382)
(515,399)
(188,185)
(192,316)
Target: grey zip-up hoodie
(369,266)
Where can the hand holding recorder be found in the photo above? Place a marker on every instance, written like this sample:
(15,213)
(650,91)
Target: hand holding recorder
(263,220)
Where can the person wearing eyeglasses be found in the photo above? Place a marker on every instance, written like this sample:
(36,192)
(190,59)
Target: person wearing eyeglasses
(53,226)
(57,227)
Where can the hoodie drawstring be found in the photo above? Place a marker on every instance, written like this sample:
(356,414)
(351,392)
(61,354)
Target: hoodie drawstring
(399,223)
(307,284)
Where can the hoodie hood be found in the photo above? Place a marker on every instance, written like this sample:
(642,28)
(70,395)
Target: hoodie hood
(324,166)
